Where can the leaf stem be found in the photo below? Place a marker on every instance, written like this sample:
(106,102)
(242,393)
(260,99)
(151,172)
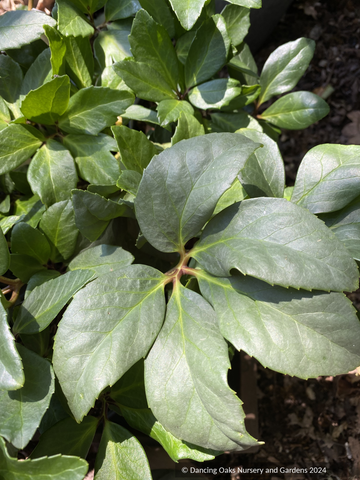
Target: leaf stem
(10,281)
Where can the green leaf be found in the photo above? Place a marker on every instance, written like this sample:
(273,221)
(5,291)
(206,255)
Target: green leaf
(115,10)
(328,178)
(181,187)
(101,259)
(58,50)
(112,46)
(170,110)
(135,149)
(215,94)
(233,122)
(21,410)
(56,468)
(187,11)
(5,117)
(38,342)
(141,114)
(92,155)
(89,6)
(188,127)
(146,82)
(263,174)
(243,66)
(38,279)
(39,73)
(183,46)
(111,80)
(4,254)
(11,77)
(6,224)
(30,209)
(94,108)
(79,60)
(47,103)
(278,242)
(297,333)
(161,12)
(52,173)
(249,94)
(17,144)
(24,266)
(30,241)
(67,437)
(11,368)
(236,193)
(345,224)
(208,52)
(58,225)
(71,21)
(237,21)
(120,456)
(151,44)
(284,67)
(296,111)
(129,395)
(203,410)
(129,181)
(98,338)
(94,212)
(247,3)
(46,301)
(20,27)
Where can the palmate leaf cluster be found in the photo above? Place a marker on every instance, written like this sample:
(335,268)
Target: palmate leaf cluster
(131,258)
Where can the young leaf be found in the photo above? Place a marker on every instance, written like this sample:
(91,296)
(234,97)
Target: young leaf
(135,149)
(237,21)
(140,113)
(129,181)
(243,66)
(101,259)
(233,122)
(201,409)
(6,224)
(46,301)
(236,193)
(11,368)
(57,48)
(345,224)
(30,209)
(115,10)
(47,103)
(93,157)
(215,94)
(181,186)
(4,254)
(187,11)
(71,22)
(120,455)
(11,78)
(30,241)
(5,117)
(112,46)
(52,173)
(188,127)
(170,110)
(94,108)
(89,6)
(263,174)
(94,212)
(17,144)
(151,44)
(58,225)
(328,178)
(247,3)
(67,437)
(208,52)
(296,111)
(146,82)
(79,60)
(56,468)
(97,340)
(21,410)
(278,242)
(284,67)
(20,27)
(129,395)
(297,333)
(39,72)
